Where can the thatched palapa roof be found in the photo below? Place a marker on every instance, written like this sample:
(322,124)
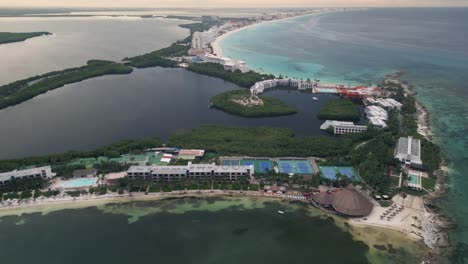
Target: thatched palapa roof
(323,198)
(350,202)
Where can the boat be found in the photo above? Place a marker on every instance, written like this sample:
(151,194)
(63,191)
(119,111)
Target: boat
(280,212)
(315,98)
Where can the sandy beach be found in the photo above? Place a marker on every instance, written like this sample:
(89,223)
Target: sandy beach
(45,205)
(407,222)
(216,44)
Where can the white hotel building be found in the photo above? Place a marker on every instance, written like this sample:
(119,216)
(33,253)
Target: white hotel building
(192,171)
(408,151)
(41,172)
(260,87)
(377,115)
(342,127)
(201,40)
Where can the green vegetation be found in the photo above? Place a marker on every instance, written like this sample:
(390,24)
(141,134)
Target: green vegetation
(11,196)
(74,193)
(159,57)
(263,142)
(373,159)
(216,70)
(58,161)
(429,183)
(430,152)
(202,26)
(395,181)
(7,37)
(271,106)
(20,185)
(339,109)
(20,91)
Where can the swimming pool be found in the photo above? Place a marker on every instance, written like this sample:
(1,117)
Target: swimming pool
(414,179)
(327,90)
(79,183)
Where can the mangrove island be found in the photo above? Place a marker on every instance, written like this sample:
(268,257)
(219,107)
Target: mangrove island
(10,37)
(242,103)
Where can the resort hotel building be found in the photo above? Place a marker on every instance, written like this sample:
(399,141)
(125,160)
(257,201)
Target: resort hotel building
(201,40)
(260,87)
(377,115)
(389,103)
(342,127)
(408,151)
(41,172)
(192,171)
(228,64)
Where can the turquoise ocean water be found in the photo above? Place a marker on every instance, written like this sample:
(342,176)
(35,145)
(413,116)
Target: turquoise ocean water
(430,45)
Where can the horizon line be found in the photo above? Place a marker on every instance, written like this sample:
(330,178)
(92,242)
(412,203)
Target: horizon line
(232,7)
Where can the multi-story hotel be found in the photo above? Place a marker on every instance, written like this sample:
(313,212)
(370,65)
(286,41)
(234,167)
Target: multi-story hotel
(343,127)
(192,171)
(408,151)
(41,172)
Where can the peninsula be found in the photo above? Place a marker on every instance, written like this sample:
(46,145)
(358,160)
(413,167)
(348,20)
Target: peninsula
(9,37)
(20,91)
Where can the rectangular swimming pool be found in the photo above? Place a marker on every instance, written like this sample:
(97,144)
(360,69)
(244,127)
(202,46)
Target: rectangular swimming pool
(79,183)
(327,90)
(413,179)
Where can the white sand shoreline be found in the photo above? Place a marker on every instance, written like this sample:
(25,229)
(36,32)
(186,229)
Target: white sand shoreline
(44,205)
(217,50)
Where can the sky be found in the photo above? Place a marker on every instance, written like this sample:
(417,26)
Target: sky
(227,3)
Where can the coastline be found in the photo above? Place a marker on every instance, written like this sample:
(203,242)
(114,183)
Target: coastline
(45,205)
(433,224)
(423,122)
(215,45)
(372,235)
(419,223)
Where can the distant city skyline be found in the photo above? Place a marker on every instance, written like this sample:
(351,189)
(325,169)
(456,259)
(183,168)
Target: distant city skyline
(229,3)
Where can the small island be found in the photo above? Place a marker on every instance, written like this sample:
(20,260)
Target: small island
(242,103)
(339,109)
(10,37)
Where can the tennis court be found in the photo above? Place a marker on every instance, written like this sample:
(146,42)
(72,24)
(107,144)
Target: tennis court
(135,159)
(88,162)
(260,166)
(331,172)
(295,166)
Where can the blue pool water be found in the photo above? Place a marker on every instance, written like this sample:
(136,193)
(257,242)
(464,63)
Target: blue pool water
(79,183)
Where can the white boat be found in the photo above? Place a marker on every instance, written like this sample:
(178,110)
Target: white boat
(315,98)
(280,212)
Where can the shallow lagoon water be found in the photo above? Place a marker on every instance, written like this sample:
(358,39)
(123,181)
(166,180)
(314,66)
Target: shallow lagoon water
(195,230)
(152,102)
(75,40)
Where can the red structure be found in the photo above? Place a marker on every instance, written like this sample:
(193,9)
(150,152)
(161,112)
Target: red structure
(359,92)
